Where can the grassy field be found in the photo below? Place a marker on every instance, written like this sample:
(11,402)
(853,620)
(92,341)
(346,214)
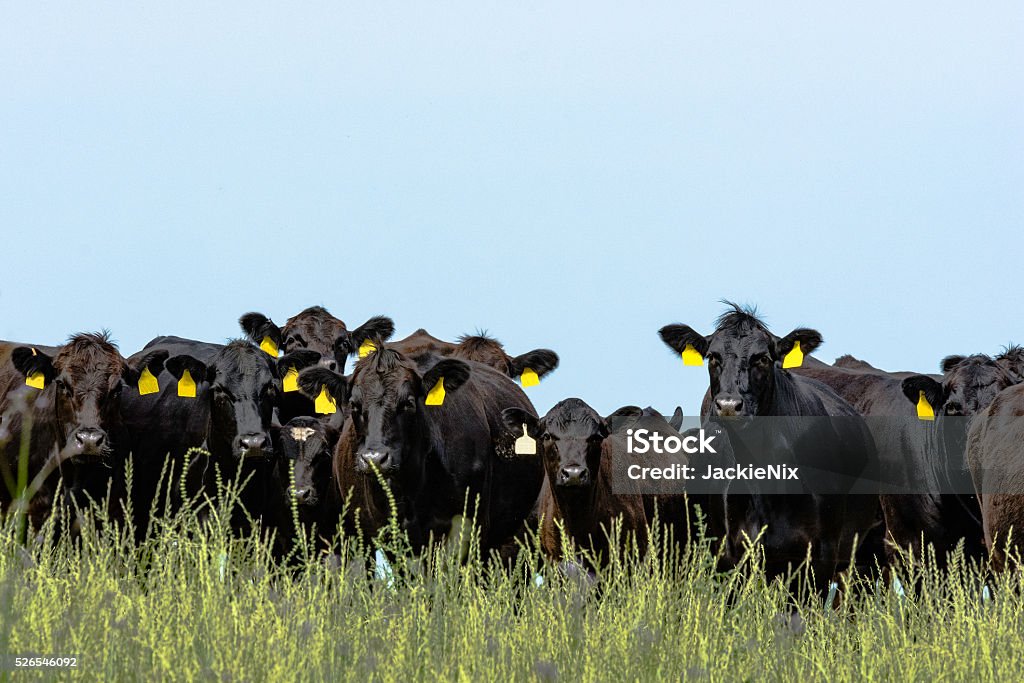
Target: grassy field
(194,603)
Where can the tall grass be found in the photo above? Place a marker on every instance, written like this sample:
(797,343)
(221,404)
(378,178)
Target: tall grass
(194,602)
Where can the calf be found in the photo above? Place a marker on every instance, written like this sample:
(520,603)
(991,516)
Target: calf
(71,395)
(434,431)
(747,381)
(577,506)
(308,445)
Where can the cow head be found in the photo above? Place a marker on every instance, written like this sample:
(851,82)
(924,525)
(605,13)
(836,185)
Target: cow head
(308,444)
(314,329)
(969,384)
(489,351)
(241,386)
(85,379)
(386,395)
(743,357)
(569,439)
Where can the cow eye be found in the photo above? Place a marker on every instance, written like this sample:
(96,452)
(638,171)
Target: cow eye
(547,437)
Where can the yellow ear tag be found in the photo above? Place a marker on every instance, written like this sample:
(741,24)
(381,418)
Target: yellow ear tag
(36,379)
(367,348)
(795,357)
(691,356)
(148,383)
(435,396)
(291,380)
(924,409)
(529,378)
(269,346)
(526,445)
(324,404)
(187,385)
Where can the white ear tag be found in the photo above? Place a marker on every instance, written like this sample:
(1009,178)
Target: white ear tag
(526,445)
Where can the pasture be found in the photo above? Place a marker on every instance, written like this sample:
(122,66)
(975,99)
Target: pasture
(195,601)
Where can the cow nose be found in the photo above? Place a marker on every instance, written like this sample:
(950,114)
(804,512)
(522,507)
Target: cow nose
(329,363)
(377,458)
(574,475)
(303,495)
(89,439)
(729,406)
(253,442)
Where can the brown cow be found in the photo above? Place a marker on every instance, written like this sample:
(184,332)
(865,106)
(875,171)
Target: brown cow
(71,394)
(479,348)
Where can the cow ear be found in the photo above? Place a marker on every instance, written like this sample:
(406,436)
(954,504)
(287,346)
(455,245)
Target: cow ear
(541,361)
(303,358)
(676,421)
(258,326)
(678,337)
(198,370)
(29,361)
(809,341)
(343,347)
(379,328)
(152,361)
(620,418)
(314,380)
(515,418)
(455,373)
(933,391)
(950,362)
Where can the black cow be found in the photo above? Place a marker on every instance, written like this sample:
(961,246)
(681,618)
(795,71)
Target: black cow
(932,514)
(314,331)
(308,445)
(219,398)
(578,448)
(72,396)
(434,430)
(747,381)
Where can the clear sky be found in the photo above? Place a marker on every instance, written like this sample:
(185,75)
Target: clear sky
(571,176)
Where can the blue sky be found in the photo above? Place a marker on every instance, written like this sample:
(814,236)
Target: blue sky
(571,176)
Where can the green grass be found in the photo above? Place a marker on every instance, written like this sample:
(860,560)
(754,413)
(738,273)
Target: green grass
(192,602)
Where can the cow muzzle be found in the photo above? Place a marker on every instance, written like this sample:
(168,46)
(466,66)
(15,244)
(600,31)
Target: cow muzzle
(88,442)
(379,459)
(729,407)
(253,445)
(574,475)
(305,495)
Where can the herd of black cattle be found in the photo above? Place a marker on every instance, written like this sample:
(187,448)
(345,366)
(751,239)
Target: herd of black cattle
(437,422)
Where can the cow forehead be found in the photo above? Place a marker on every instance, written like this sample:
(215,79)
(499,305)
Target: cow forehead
(314,325)
(741,340)
(572,417)
(301,434)
(90,367)
(243,368)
